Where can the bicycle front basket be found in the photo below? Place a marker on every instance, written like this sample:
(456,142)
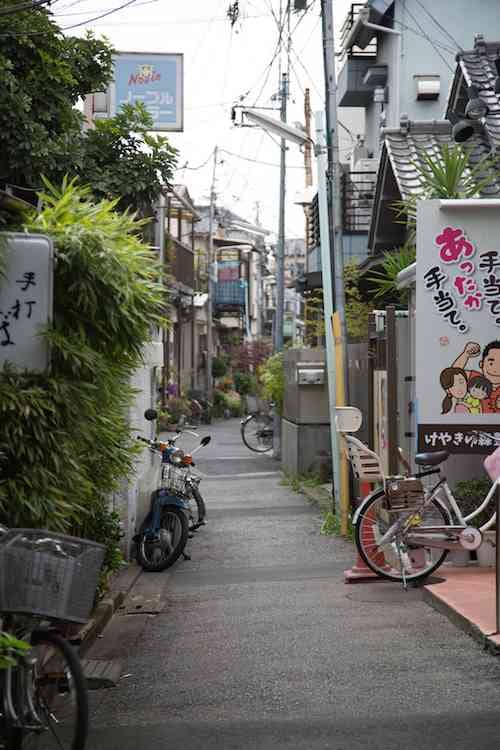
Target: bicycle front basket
(402,493)
(49,575)
(174,479)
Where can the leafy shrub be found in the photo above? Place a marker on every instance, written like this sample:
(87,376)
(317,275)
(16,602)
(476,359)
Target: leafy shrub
(234,403)
(245,383)
(470,493)
(103,525)
(219,367)
(272,379)
(66,432)
(225,385)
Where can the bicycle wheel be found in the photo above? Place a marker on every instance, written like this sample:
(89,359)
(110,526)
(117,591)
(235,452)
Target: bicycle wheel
(160,551)
(59,696)
(257,433)
(390,559)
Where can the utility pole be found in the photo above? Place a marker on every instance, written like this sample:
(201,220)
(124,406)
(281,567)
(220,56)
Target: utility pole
(280,259)
(334,174)
(307,145)
(211,285)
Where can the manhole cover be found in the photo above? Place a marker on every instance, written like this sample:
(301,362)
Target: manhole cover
(384,593)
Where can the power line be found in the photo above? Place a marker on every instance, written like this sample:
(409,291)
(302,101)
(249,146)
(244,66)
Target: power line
(194,169)
(72,26)
(258,161)
(426,36)
(439,25)
(23,6)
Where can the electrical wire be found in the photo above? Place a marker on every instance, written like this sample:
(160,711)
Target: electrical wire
(85,12)
(72,26)
(440,26)
(259,161)
(23,6)
(426,36)
(200,166)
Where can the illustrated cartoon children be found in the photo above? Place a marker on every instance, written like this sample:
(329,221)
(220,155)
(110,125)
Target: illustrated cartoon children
(489,367)
(454,382)
(479,389)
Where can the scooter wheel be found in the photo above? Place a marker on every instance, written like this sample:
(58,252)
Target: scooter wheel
(161,551)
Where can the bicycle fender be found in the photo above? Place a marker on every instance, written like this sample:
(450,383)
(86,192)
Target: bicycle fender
(359,509)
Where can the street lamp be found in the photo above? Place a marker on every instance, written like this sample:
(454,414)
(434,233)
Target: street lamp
(288,132)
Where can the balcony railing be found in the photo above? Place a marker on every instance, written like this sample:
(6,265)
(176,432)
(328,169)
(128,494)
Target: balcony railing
(181,263)
(351,18)
(230,294)
(358,191)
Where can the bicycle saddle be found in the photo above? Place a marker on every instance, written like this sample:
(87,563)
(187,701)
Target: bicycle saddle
(431,459)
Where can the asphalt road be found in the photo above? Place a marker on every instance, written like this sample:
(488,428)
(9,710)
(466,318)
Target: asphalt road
(260,645)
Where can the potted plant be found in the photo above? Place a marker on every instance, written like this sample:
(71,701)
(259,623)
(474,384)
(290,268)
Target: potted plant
(470,494)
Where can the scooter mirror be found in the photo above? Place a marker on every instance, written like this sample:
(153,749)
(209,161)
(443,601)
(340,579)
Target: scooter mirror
(150,415)
(205,440)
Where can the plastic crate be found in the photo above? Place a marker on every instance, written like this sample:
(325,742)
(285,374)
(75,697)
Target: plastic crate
(49,575)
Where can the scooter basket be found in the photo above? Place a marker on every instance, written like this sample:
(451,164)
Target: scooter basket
(402,494)
(174,480)
(49,575)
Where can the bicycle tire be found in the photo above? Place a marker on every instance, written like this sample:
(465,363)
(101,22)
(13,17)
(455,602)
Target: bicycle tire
(47,696)
(164,562)
(245,432)
(379,561)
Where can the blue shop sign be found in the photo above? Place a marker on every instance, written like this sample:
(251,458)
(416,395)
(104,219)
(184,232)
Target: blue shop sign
(154,79)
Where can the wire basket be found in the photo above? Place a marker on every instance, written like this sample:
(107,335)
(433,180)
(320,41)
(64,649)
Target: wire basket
(403,494)
(174,480)
(49,575)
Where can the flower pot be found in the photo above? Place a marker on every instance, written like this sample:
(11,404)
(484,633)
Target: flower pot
(486,554)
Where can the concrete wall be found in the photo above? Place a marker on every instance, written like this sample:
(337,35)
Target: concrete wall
(303,446)
(132,503)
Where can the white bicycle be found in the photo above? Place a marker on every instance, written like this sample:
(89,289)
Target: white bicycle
(403,530)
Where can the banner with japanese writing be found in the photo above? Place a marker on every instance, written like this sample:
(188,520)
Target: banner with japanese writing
(458,325)
(154,79)
(26,283)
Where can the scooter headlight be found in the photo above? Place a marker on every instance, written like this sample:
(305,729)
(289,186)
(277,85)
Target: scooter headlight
(176,457)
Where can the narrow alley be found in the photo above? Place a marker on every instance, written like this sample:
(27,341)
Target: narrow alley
(258,643)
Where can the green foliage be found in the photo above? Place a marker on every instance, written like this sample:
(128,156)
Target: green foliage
(245,383)
(103,525)
(219,367)
(123,160)
(331,526)
(385,280)
(470,493)
(66,432)
(272,378)
(356,309)
(11,650)
(314,319)
(44,74)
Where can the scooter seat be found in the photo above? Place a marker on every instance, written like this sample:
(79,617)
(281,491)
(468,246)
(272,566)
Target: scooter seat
(431,459)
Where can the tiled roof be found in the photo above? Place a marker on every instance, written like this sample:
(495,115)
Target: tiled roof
(405,146)
(478,69)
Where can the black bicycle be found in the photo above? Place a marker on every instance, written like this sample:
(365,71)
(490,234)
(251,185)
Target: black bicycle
(257,430)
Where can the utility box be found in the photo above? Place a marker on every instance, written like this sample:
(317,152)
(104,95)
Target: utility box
(306,420)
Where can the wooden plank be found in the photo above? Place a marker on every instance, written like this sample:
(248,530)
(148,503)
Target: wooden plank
(101,673)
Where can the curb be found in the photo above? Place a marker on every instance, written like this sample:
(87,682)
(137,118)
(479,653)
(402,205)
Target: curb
(319,496)
(121,586)
(489,642)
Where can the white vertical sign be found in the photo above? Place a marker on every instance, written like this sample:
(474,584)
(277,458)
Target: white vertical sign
(458,324)
(26,291)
